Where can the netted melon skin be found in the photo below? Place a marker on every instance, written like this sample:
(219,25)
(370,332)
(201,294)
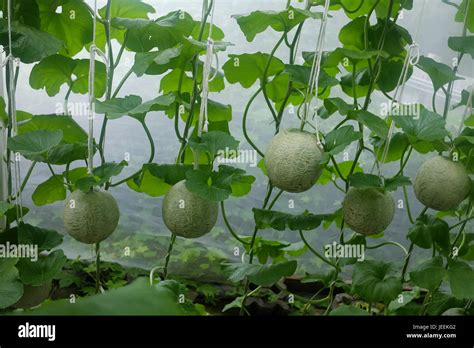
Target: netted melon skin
(94,217)
(367,210)
(186,214)
(292,160)
(441,184)
(34,295)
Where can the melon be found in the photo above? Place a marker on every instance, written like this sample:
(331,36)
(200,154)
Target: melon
(292,160)
(186,214)
(91,217)
(454,312)
(368,210)
(34,295)
(441,184)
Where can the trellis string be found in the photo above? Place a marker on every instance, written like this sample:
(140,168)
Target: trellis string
(313,84)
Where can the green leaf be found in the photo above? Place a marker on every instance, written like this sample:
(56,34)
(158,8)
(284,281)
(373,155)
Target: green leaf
(38,272)
(428,229)
(54,71)
(35,145)
(246,69)
(392,184)
(462,13)
(429,274)
(404,298)
(49,191)
(338,139)
(156,180)
(11,289)
(72,24)
(263,275)
(348,310)
(377,125)
(138,298)
(281,221)
(461,279)
(117,107)
(4,207)
(429,126)
(376,281)
(258,21)
(29,44)
(213,186)
(440,74)
(352,34)
(464,44)
(300,74)
(214,143)
(331,105)
(44,239)
(363,180)
(108,170)
(397,147)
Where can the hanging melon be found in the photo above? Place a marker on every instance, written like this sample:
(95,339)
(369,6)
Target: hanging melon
(34,295)
(368,210)
(441,183)
(293,160)
(91,217)
(186,214)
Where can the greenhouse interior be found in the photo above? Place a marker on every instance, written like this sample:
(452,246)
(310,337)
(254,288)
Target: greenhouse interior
(237,158)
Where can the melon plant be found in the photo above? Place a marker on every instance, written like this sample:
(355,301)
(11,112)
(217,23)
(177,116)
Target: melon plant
(91,217)
(186,214)
(34,295)
(368,210)
(441,184)
(292,160)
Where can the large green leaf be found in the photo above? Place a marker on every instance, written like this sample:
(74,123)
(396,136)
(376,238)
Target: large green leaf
(281,221)
(338,139)
(428,126)
(377,125)
(38,272)
(70,21)
(439,73)
(28,43)
(429,274)
(376,281)
(404,298)
(464,44)
(35,145)
(11,288)
(214,143)
(138,298)
(246,69)
(132,105)
(331,105)
(460,15)
(264,275)
(50,191)
(258,21)
(461,279)
(54,71)
(428,229)
(32,235)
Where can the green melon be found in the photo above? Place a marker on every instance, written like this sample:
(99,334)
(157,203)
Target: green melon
(186,214)
(441,184)
(293,160)
(93,218)
(367,210)
(454,312)
(34,295)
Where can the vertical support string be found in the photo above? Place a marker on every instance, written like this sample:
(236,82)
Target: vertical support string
(203,123)
(313,85)
(412,58)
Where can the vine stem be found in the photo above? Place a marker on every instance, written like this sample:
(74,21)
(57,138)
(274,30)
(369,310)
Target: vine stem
(168,256)
(229,227)
(389,243)
(319,256)
(97,268)
(410,250)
